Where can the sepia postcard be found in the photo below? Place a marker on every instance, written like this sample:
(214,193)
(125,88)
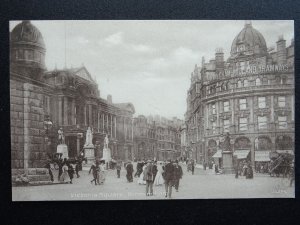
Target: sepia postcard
(152,109)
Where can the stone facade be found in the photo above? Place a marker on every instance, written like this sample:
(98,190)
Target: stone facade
(250,96)
(156,138)
(70,98)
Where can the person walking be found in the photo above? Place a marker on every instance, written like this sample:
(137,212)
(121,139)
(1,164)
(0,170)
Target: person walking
(236,170)
(94,168)
(129,170)
(148,177)
(168,175)
(158,178)
(192,166)
(177,174)
(70,172)
(65,176)
(118,167)
(141,179)
(101,172)
(154,168)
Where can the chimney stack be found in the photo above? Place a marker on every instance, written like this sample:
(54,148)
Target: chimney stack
(281,50)
(109,99)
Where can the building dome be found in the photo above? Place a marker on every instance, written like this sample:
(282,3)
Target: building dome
(249,40)
(27,45)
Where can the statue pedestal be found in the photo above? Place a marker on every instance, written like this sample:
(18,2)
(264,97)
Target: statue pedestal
(63,149)
(227,157)
(89,153)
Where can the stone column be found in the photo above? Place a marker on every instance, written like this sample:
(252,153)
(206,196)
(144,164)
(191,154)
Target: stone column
(78,144)
(111,126)
(98,121)
(115,120)
(107,123)
(103,122)
(232,114)
(90,116)
(218,118)
(65,111)
(84,114)
(73,112)
(60,122)
(251,119)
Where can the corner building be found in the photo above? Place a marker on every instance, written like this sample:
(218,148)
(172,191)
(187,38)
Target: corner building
(69,98)
(250,96)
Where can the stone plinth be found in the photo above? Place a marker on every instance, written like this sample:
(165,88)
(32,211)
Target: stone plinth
(63,148)
(106,154)
(227,157)
(89,153)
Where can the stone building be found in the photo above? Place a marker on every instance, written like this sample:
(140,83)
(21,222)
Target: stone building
(156,137)
(250,96)
(67,99)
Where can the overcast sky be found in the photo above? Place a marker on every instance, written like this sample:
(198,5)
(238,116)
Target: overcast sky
(147,63)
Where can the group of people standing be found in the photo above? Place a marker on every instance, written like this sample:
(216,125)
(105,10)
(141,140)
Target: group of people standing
(244,168)
(98,171)
(149,174)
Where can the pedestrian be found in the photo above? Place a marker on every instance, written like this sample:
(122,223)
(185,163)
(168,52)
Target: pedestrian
(70,172)
(158,178)
(236,170)
(118,167)
(60,165)
(94,168)
(154,168)
(77,169)
(141,179)
(204,165)
(65,175)
(168,175)
(249,173)
(129,170)
(192,166)
(50,167)
(148,177)
(177,174)
(101,172)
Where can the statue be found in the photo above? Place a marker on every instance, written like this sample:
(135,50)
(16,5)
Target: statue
(226,144)
(106,142)
(89,137)
(61,137)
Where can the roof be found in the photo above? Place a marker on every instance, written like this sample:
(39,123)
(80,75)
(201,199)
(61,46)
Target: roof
(82,72)
(125,106)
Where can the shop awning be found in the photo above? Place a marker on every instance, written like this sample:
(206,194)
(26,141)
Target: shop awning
(241,154)
(218,154)
(286,151)
(262,156)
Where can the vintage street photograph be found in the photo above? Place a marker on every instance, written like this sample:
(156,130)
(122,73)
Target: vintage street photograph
(152,109)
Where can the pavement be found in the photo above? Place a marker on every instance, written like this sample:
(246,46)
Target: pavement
(204,184)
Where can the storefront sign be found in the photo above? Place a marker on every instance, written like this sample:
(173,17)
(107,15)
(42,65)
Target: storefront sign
(262,156)
(256,70)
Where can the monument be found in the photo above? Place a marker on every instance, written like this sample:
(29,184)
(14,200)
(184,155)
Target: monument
(89,148)
(106,151)
(62,148)
(227,156)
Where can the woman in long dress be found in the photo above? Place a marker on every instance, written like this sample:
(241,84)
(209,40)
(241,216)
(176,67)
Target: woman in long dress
(141,177)
(102,173)
(159,180)
(65,175)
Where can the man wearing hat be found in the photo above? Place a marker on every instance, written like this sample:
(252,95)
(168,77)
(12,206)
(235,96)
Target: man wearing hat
(148,177)
(177,174)
(168,176)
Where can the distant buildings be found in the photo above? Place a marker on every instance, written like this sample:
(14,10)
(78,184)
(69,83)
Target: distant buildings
(250,95)
(156,137)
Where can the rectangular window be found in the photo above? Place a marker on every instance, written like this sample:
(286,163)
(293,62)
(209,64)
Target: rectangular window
(226,106)
(243,124)
(281,101)
(262,122)
(243,104)
(282,122)
(226,125)
(214,125)
(213,108)
(261,102)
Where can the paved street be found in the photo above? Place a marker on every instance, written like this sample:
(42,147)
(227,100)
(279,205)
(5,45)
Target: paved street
(203,184)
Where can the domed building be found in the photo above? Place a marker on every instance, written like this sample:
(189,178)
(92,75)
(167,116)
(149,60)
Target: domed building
(249,96)
(44,101)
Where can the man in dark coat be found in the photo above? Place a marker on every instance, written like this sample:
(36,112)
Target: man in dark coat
(177,174)
(129,170)
(154,169)
(70,172)
(148,177)
(118,167)
(168,176)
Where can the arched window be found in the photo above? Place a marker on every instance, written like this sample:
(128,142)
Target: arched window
(239,84)
(257,82)
(246,83)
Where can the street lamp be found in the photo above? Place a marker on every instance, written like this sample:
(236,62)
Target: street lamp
(47,126)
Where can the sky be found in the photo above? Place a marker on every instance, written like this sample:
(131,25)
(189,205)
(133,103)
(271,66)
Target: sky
(146,62)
